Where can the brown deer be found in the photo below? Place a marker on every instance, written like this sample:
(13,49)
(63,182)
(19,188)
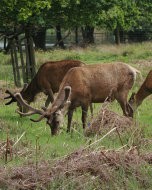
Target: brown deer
(47,80)
(82,86)
(144,91)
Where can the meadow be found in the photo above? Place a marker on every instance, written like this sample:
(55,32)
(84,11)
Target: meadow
(32,143)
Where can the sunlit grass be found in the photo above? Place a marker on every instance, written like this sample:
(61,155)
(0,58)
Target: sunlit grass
(96,54)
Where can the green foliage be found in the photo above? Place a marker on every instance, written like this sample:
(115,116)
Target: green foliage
(17,12)
(122,14)
(111,14)
(145,8)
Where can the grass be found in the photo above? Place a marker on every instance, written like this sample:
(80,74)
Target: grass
(96,54)
(36,142)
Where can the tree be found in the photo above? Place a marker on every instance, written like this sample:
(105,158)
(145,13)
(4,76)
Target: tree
(57,18)
(74,14)
(119,15)
(144,26)
(22,16)
(85,15)
(22,13)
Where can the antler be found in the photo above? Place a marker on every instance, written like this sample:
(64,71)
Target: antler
(67,91)
(20,100)
(11,95)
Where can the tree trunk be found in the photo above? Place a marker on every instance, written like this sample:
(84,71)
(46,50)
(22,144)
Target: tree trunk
(30,56)
(59,36)
(117,36)
(5,42)
(39,38)
(76,35)
(88,34)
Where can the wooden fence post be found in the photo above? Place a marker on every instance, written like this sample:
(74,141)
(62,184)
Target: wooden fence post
(23,70)
(13,64)
(22,62)
(16,65)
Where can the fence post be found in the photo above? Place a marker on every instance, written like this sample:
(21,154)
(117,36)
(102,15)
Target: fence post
(17,66)
(22,62)
(13,63)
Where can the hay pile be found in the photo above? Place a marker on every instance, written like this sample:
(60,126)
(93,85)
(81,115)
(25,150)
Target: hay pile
(106,120)
(84,168)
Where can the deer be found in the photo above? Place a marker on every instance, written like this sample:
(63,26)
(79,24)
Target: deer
(144,91)
(82,86)
(47,80)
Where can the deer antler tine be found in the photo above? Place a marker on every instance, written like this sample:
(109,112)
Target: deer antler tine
(11,95)
(25,114)
(31,113)
(7,97)
(24,104)
(39,119)
(12,100)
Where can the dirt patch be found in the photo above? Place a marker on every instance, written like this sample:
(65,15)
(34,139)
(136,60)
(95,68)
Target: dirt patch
(98,167)
(105,120)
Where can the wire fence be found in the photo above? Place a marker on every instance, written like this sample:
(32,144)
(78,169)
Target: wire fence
(100,37)
(103,37)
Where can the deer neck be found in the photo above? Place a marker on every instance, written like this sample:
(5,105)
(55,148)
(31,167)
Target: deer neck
(141,95)
(31,91)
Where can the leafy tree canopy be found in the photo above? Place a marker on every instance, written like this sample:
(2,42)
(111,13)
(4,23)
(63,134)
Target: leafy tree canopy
(23,12)
(122,14)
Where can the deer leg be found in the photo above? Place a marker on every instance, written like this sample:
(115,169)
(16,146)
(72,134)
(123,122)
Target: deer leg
(130,110)
(50,97)
(91,110)
(84,115)
(122,99)
(70,115)
(124,108)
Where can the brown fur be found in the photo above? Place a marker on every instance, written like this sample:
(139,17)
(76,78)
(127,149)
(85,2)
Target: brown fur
(48,79)
(82,86)
(95,84)
(144,91)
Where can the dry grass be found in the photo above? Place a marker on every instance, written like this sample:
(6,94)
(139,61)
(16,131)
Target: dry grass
(105,120)
(100,166)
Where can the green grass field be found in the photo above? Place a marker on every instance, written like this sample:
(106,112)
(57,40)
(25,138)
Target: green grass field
(32,142)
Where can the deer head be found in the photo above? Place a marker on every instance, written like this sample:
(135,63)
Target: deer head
(53,115)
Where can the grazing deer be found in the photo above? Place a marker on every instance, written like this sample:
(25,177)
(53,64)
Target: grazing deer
(47,80)
(144,91)
(82,86)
